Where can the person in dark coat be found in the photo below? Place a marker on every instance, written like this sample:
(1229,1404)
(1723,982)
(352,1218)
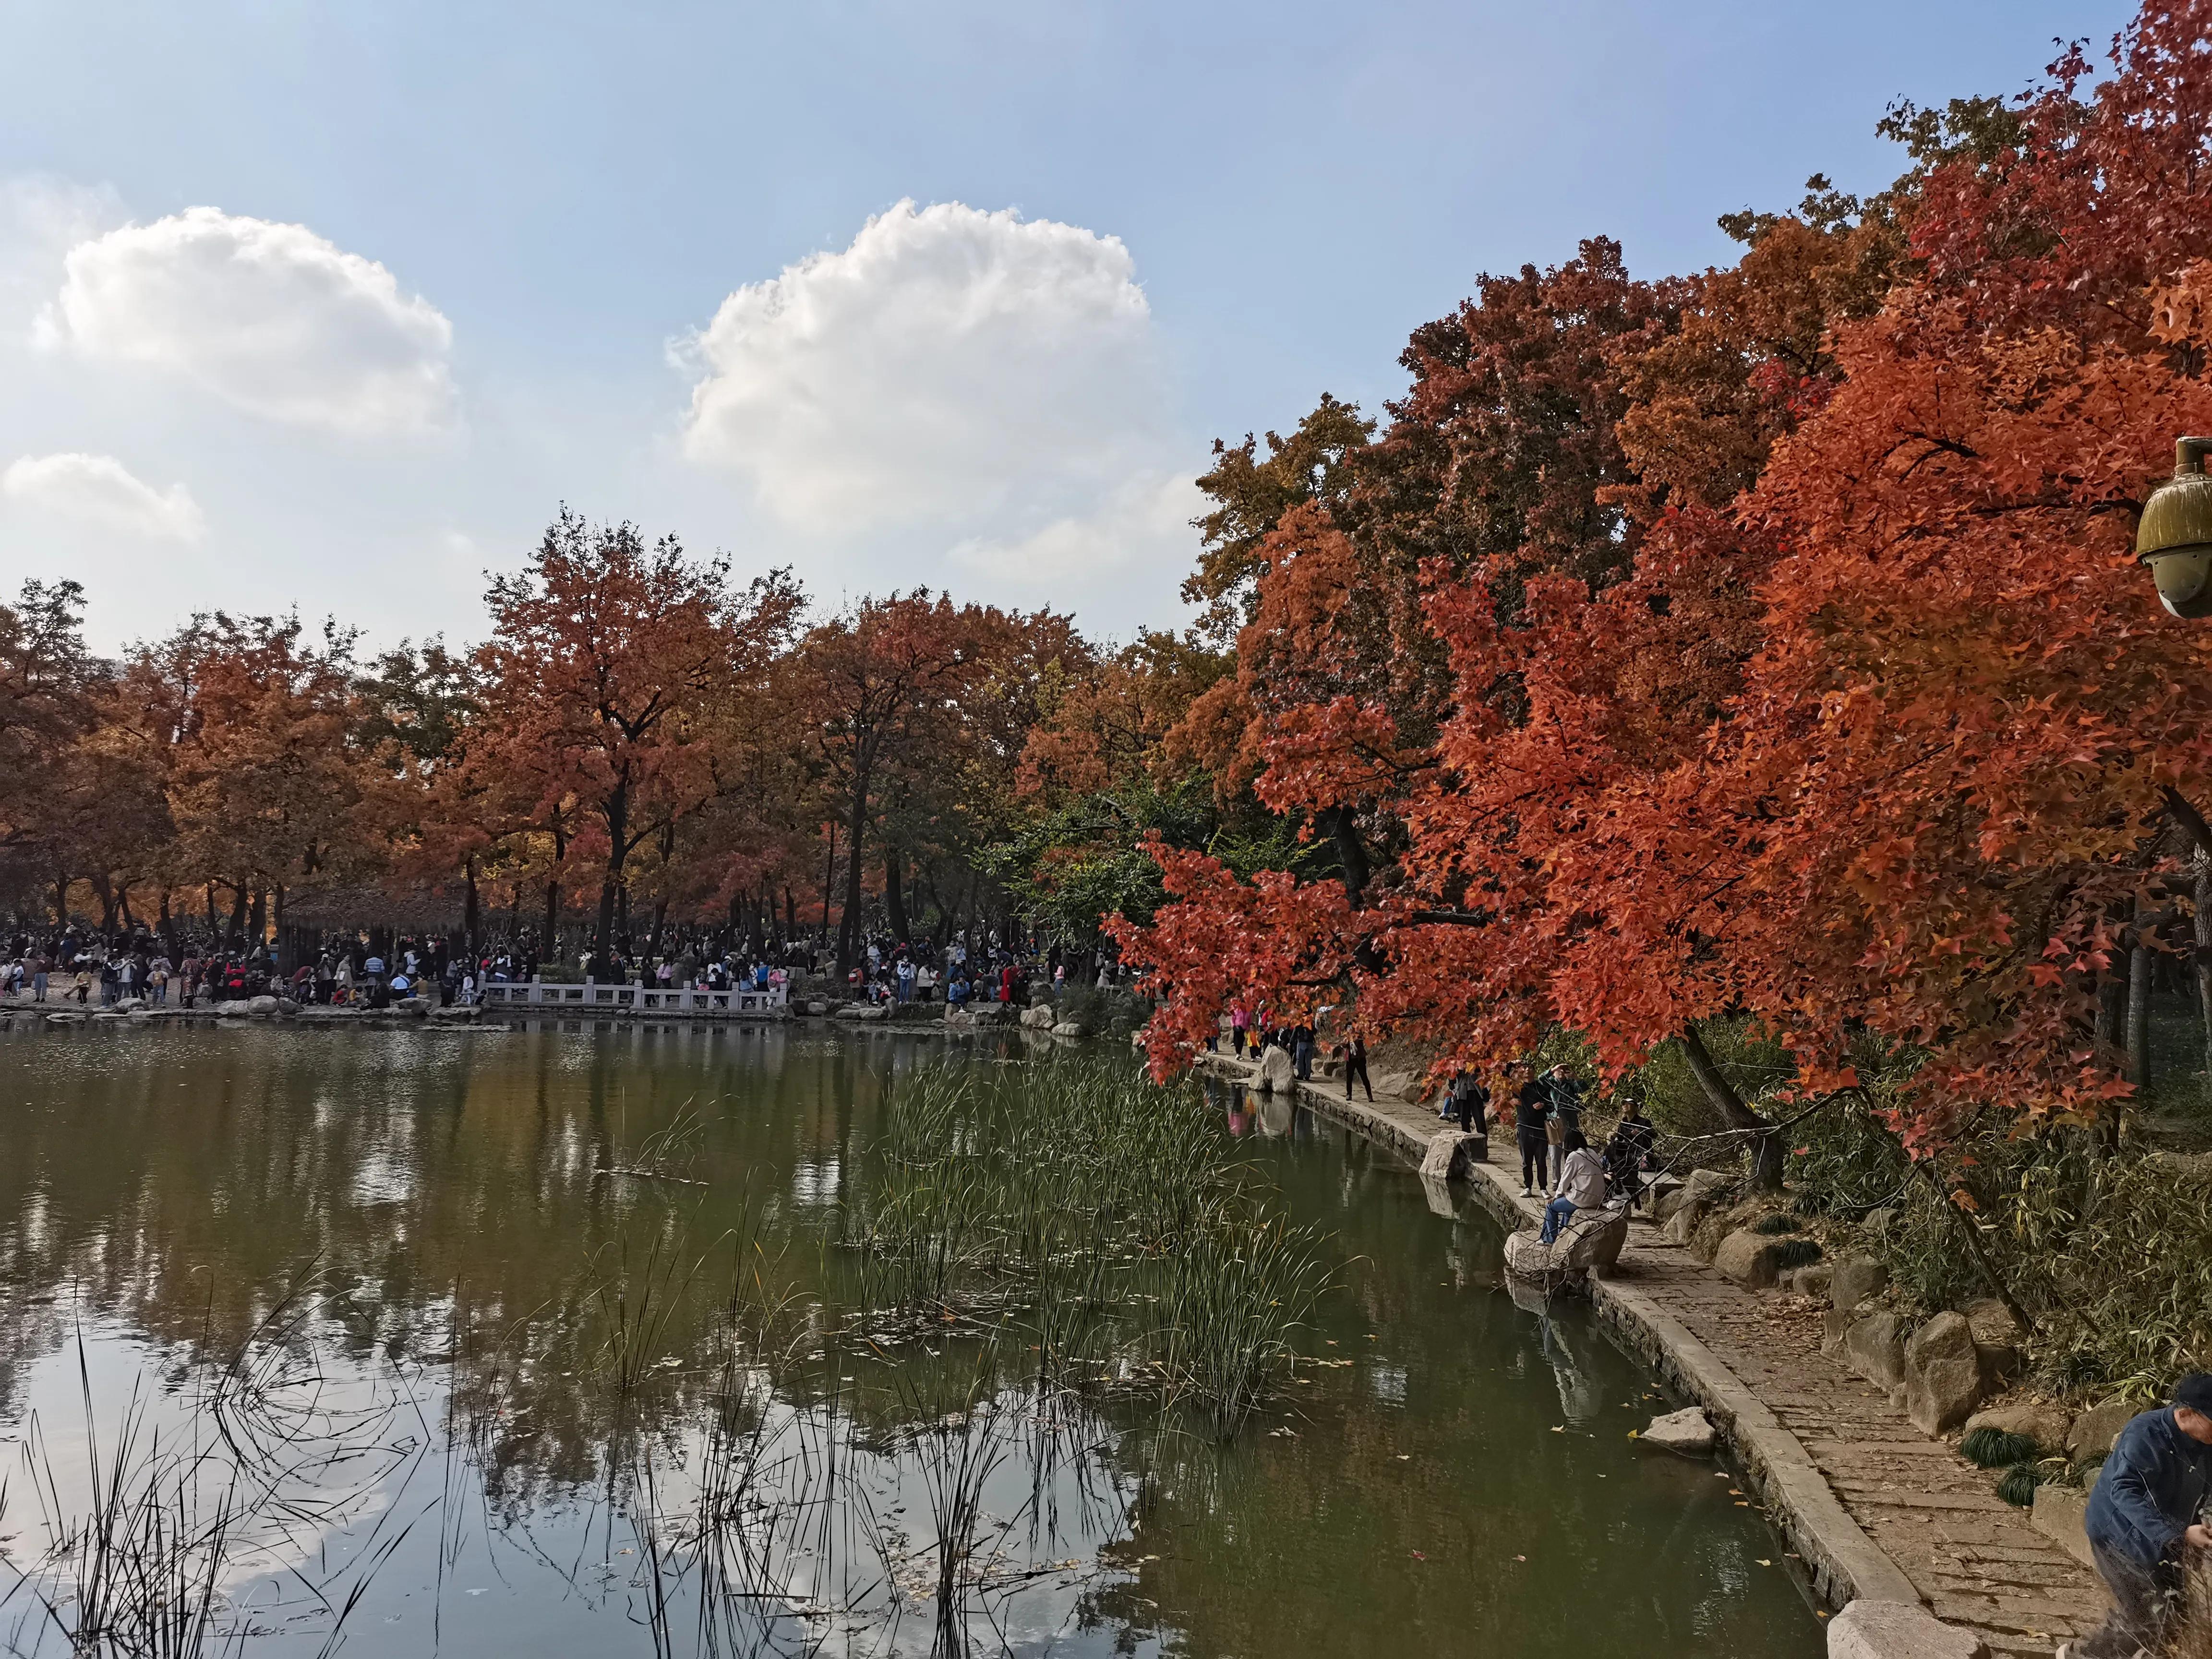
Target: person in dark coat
(1531,1112)
(1355,1065)
(2142,1520)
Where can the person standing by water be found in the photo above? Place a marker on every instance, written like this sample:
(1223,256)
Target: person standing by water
(2141,1521)
(1468,1102)
(1532,1114)
(1355,1065)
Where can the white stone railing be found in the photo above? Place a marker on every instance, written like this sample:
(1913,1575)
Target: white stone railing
(593,998)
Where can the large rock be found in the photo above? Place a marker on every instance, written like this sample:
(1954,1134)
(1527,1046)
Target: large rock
(1707,1185)
(65,1019)
(2058,1514)
(2045,1424)
(1812,1280)
(1682,1225)
(1873,1347)
(1593,1238)
(1899,1629)
(1685,1431)
(1664,1197)
(1452,1156)
(1998,1335)
(1277,1075)
(865,1011)
(1071,1028)
(959,1019)
(1944,1379)
(817,1006)
(130,1004)
(1039,1017)
(1748,1258)
(1878,1223)
(1857,1278)
(261,1006)
(2094,1430)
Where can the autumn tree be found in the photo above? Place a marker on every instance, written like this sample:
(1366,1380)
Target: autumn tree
(618,676)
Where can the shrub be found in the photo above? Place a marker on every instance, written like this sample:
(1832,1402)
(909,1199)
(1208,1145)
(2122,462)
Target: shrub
(1996,1448)
(1779,1222)
(1796,1253)
(2018,1487)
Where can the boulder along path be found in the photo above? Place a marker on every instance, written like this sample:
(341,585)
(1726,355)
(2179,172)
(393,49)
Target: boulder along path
(1875,1508)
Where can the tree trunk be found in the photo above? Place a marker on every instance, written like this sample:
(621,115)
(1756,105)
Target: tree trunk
(616,810)
(285,965)
(257,919)
(848,925)
(471,918)
(2201,959)
(61,903)
(168,927)
(237,911)
(895,896)
(104,891)
(123,909)
(1767,1153)
(2138,1028)
(1351,854)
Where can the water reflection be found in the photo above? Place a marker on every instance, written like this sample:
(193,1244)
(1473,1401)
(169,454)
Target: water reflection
(597,1441)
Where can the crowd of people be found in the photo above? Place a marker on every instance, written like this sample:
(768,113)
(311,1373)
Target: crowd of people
(177,967)
(1558,1163)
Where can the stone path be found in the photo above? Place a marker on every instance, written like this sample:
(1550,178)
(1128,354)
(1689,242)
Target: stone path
(1838,1466)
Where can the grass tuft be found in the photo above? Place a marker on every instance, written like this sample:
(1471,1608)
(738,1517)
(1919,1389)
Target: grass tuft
(1997,1449)
(2018,1487)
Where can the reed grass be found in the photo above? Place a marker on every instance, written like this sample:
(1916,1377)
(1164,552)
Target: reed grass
(1097,1217)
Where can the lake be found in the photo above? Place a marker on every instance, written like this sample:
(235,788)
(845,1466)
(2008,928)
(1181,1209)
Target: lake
(354,1337)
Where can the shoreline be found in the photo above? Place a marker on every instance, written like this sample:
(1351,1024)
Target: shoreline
(1980,1565)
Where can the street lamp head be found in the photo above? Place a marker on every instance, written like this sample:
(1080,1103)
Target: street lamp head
(2174,537)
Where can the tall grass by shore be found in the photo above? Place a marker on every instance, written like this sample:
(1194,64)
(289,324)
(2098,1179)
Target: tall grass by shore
(1095,1214)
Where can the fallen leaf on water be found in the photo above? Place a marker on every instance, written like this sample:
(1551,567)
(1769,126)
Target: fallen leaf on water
(1764,1562)
(1418,1556)
(1520,1558)
(1405,1457)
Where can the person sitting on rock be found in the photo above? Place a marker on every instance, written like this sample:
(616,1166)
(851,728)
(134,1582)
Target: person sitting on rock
(2141,1521)
(1582,1185)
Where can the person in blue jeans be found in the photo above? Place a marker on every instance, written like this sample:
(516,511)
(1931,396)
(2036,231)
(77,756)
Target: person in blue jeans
(2141,1521)
(1581,1184)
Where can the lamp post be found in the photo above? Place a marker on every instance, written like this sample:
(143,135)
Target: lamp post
(2174,537)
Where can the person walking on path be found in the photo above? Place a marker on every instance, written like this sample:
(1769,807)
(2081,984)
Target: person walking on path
(2141,1521)
(1532,1113)
(1355,1065)
(1237,1020)
(1582,1186)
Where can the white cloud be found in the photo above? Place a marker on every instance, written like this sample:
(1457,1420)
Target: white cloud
(1143,524)
(100,491)
(951,365)
(271,317)
(41,218)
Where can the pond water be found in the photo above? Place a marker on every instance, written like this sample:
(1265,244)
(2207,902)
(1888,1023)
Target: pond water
(365,1315)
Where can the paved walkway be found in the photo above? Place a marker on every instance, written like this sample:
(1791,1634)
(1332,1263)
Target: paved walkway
(1862,1494)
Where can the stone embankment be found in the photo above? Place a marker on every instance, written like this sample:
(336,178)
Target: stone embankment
(1881,1515)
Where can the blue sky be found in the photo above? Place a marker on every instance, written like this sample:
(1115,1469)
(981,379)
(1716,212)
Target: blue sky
(464,262)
